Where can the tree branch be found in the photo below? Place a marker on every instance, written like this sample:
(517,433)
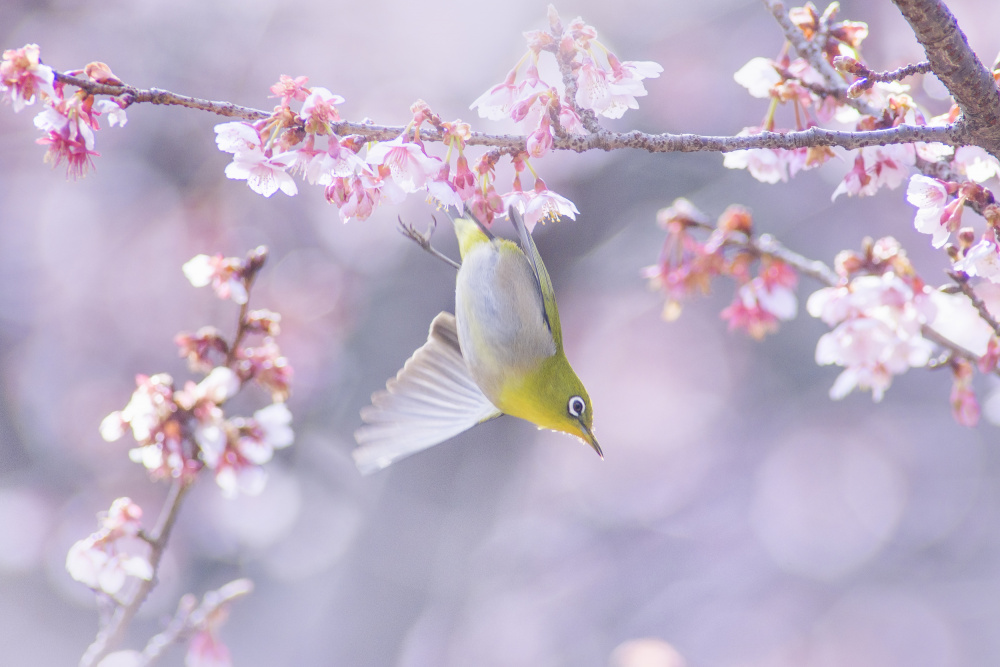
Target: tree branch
(954,62)
(602,140)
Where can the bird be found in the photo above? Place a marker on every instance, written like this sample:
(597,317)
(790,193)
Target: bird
(500,353)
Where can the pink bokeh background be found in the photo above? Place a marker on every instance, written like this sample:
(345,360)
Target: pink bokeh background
(741,517)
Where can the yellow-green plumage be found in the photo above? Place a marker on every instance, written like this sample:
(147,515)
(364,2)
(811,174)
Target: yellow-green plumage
(509,345)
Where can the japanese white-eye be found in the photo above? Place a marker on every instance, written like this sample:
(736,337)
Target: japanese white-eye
(500,353)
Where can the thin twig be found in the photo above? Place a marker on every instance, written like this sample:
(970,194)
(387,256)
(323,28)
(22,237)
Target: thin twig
(962,280)
(814,55)
(191,616)
(424,241)
(815,269)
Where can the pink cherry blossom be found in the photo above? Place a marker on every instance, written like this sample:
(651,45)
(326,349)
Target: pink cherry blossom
(289,89)
(539,205)
(570,121)
(102,561)
(877,166)
(207,650)
(265,365)
(237,136)
(975,163)
(540,141)
(982,259)
(758,76)
(763,301)
(263,173)
(319,109)
(964,406)
(112,111)
(930,197)
(23,78)
(877,324)
(336,161)
(442,191)
(611,94)
(69,136)
(408,164)
(224,274)
(496,103)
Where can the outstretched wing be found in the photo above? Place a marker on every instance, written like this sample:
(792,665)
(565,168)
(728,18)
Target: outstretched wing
(541,275)
(431,399)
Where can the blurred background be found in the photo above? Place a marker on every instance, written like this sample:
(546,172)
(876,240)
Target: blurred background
(741,517)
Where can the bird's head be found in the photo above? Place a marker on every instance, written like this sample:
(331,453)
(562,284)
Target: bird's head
(552,396)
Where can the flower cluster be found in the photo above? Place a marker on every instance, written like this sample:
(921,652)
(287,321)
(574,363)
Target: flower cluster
(688,264)
(872,106)
(179,431)
(940,206)
(877,314)
(595,81)
(103,560)
(68,123)
(358,175)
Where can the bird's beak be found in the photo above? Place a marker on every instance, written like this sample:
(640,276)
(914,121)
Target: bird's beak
(588,437)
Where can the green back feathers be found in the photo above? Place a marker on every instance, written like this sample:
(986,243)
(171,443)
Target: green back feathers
(541,276)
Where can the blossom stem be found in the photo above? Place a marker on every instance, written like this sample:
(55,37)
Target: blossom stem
(190,615)
(962,280)
(811,51)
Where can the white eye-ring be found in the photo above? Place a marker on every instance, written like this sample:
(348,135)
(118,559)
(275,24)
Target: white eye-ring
(576,406)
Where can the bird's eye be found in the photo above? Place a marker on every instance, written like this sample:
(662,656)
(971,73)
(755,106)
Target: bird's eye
(576,406)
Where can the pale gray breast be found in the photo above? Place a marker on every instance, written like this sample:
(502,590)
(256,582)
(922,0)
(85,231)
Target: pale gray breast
(499,313)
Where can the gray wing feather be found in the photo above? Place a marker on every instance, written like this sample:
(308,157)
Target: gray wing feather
(431,399)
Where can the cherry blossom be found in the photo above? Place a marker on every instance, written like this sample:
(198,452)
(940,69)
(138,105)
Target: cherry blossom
(207,650)
(496,103)
(336,161)
(265,365)
(289,89)
(23,78)
(877,166)
(263,173)
(101,560)
(237,136)
(930,196)
(686,265)
(611,94)
(877,331)
(975,163)
(408,164)
(319,110)
(69,135)
(539,205)
(964,405)
(758,76)
(225,274)
(982,259)
(760,303)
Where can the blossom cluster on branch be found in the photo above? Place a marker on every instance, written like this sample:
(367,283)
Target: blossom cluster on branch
(181,431)
(885,319)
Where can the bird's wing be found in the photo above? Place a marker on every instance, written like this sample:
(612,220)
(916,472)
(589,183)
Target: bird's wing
(543,282)
(431,399)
